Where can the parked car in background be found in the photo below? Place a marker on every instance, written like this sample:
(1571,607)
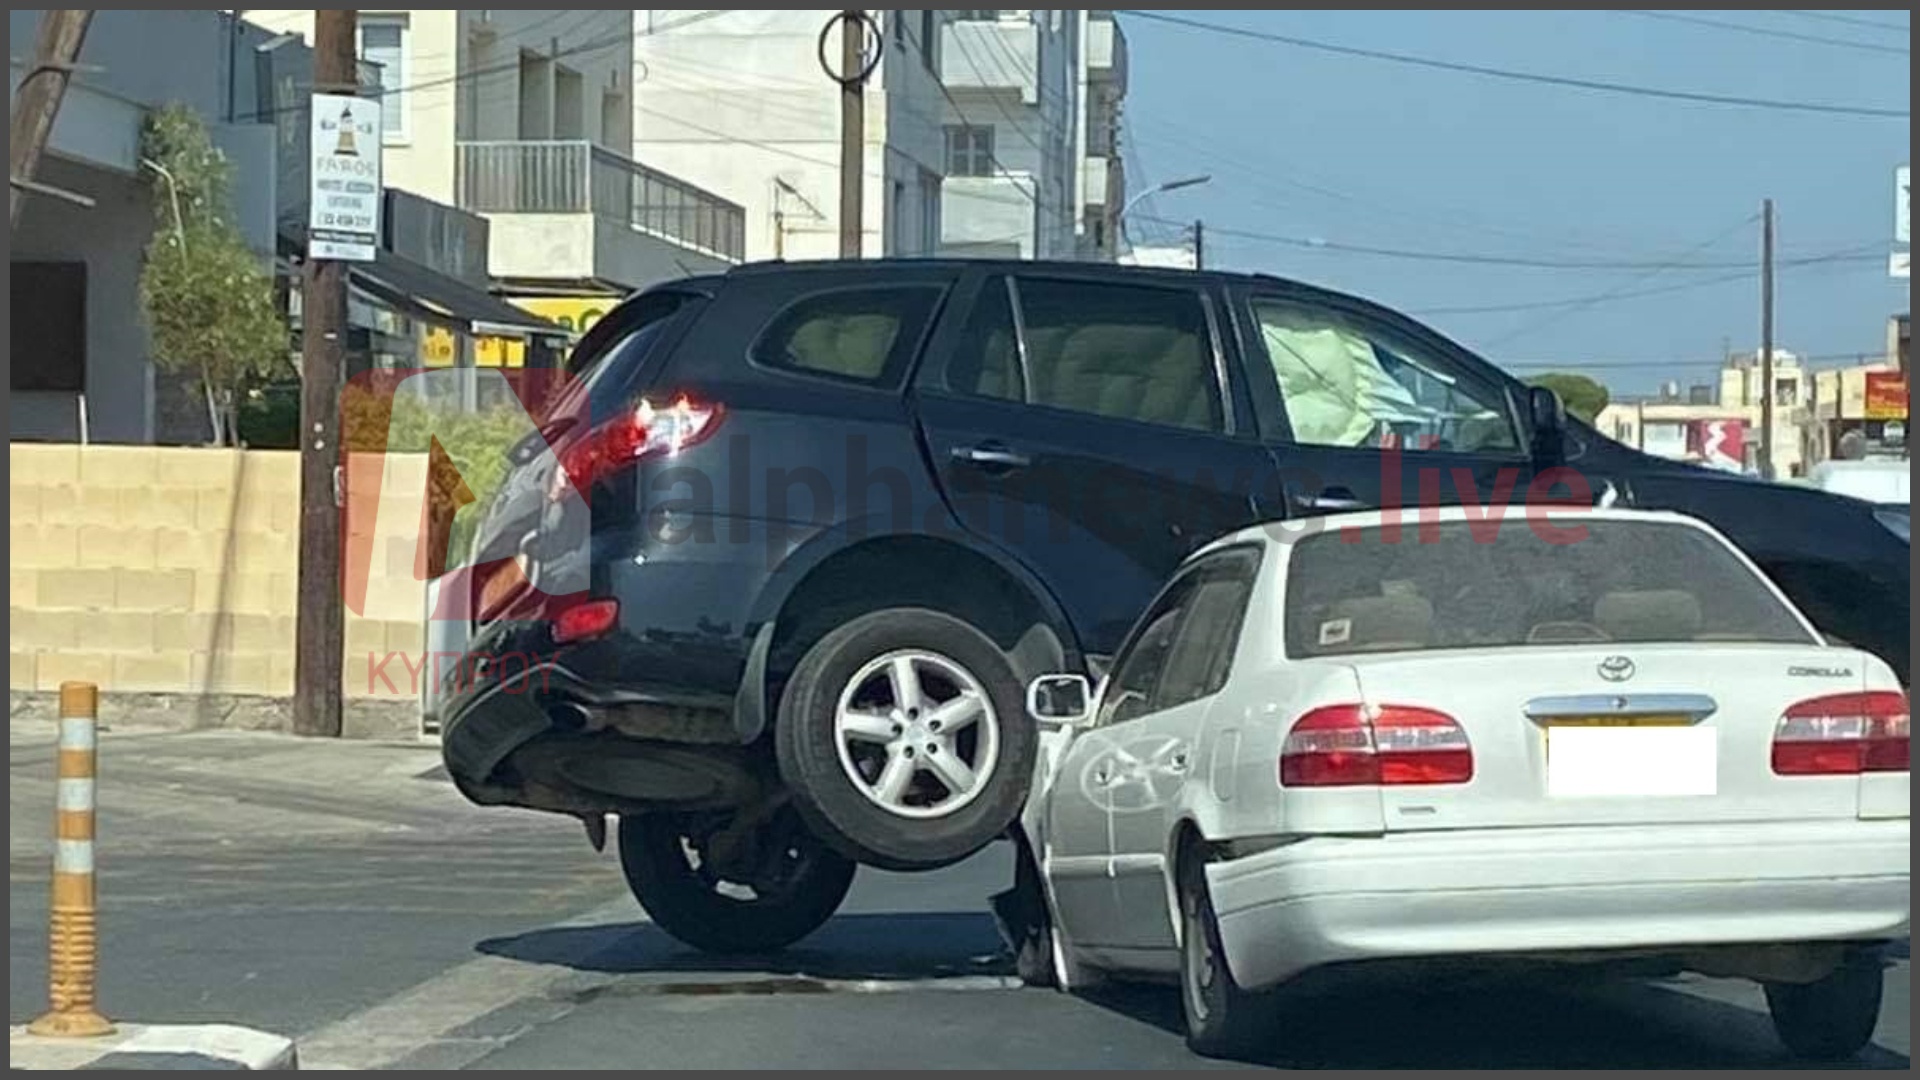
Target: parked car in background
(800,534)
(1323,751)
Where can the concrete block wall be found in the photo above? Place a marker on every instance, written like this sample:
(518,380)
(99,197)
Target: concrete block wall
(173,570)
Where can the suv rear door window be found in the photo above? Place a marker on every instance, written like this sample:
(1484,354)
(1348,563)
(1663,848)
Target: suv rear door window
(1124,352)
(861,335)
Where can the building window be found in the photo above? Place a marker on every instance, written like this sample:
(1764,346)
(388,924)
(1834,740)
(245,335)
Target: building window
(976,16)
(383,41)
(969,150)
(49,329)
(896,238)
(929,211)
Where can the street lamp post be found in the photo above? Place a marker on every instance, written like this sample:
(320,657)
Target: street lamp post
(1120,220)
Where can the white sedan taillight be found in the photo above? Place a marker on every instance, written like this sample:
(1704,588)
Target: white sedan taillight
(1844,735)
(1361,745)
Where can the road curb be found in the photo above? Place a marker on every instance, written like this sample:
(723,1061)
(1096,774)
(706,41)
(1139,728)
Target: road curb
(156,1046)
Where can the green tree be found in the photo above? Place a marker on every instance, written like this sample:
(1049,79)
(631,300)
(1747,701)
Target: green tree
(1584,397)
(208,299)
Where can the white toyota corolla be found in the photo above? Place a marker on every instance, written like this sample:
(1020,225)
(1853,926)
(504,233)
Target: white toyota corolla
(1449,738)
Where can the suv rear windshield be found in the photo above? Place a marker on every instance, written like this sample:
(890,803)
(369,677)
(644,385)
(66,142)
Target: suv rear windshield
(607,366)
(1444,587)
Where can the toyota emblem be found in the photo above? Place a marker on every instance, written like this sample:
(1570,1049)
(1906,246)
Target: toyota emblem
(1616,669)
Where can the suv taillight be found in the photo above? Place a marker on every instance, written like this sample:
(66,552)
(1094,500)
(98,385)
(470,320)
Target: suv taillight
(1843,735)
(1361,745)
(648,430)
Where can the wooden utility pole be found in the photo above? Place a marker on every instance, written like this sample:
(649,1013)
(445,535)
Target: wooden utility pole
(1199,245)
(1766,340)
(37,101)
(853,123)
(319,629)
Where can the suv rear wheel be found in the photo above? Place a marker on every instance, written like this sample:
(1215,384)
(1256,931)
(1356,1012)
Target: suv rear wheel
(721,891)
(904,738)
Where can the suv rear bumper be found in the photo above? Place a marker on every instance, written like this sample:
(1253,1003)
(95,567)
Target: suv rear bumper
(1333,900)
(552,741)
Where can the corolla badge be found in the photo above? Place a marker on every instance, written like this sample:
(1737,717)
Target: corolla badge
(1616,669)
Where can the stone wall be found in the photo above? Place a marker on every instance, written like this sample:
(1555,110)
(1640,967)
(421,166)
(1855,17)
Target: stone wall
(163,570)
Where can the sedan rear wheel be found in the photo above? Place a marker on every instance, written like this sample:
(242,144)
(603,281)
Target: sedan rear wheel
(1832,1019)
(1222,1019)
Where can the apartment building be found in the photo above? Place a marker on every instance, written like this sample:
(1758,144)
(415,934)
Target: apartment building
(525,117)
(1011,132)
(737,102)
(986,132)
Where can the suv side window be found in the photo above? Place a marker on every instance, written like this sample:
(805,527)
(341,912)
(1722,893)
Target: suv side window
(1346,383)
(1140,353)
(865,334)
(1138,667)
(1202,651)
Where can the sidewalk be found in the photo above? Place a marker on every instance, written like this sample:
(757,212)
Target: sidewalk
(136,1046)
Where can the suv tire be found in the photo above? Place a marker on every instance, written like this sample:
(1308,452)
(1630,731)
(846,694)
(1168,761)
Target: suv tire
(687,903)
(903,736)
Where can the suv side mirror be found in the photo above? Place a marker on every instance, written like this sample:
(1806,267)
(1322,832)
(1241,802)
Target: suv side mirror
(1065,700)
(1547,416)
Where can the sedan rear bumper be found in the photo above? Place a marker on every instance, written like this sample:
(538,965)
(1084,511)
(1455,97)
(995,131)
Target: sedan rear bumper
(1330,900)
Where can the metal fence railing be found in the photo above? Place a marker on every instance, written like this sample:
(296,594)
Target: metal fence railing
(577,177)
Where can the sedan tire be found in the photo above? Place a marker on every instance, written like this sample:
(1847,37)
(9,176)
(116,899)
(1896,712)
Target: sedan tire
(904,738)
(1833,1018)
(1223,1020)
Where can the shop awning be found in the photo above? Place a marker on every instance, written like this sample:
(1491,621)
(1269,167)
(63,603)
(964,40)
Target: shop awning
(408,284)
(412,287)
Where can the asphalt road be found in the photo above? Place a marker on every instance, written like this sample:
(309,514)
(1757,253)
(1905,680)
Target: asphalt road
(342,894)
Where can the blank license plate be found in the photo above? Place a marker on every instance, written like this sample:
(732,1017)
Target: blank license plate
(1642,759)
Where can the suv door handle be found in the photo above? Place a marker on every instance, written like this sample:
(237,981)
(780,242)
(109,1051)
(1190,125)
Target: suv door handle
(991,455)
(1330,501)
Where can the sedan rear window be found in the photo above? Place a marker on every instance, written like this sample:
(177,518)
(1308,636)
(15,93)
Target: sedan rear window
(1462,585)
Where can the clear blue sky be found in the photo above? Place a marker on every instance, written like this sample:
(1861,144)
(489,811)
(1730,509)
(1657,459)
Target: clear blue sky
(1356,151)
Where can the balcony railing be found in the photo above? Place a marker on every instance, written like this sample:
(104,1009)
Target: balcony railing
(577,177)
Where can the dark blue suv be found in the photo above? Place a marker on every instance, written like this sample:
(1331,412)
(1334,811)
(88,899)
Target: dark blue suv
(776,573)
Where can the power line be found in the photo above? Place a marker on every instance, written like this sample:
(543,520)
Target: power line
(729,137)
(1764,32)
(1433,214)
(968,124)
(1850,20)
(1575,301)
(1672,362)
(1858,253)
(1598,85)
(594,45)
(1555,316)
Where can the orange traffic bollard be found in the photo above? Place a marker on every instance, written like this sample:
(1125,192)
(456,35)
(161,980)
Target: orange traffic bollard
(75,931)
